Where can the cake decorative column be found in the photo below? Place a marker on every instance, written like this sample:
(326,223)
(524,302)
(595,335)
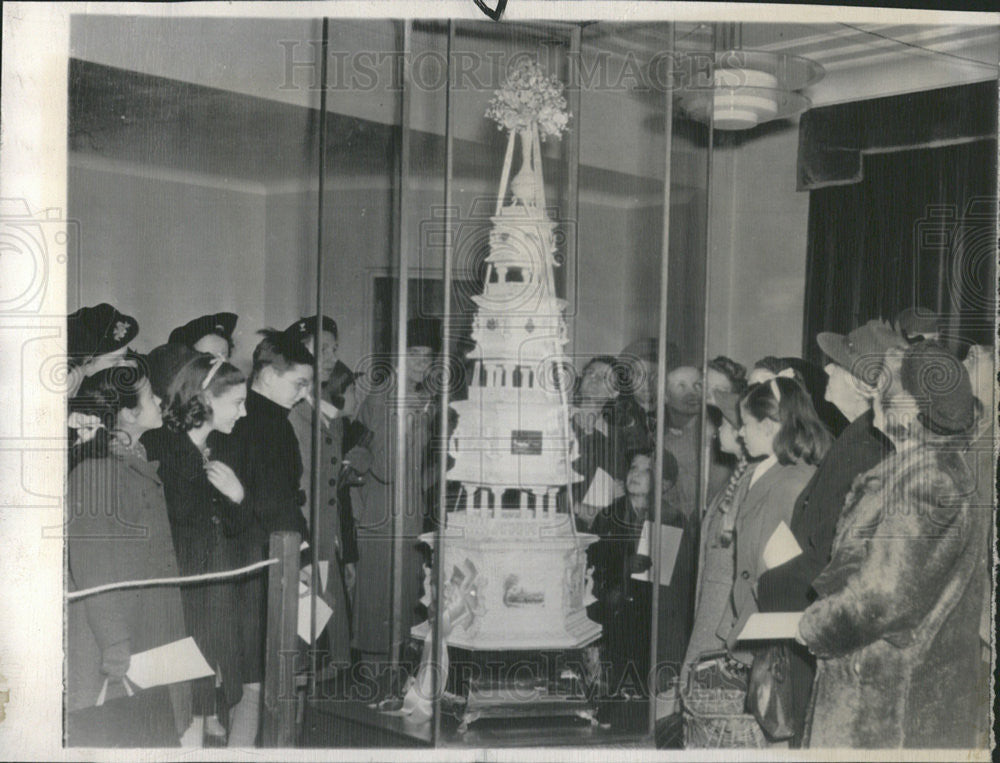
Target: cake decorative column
(513,446)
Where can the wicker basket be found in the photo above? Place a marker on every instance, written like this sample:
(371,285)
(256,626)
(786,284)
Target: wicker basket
(713,704)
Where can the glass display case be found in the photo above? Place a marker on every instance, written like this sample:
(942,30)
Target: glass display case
(555,267)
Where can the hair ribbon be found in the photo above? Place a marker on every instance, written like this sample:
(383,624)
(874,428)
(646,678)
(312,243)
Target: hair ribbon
(217,362)
(784,373)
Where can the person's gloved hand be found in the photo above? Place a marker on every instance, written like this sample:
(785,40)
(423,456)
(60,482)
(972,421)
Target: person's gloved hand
(115,659)
(350,477)
(639,563)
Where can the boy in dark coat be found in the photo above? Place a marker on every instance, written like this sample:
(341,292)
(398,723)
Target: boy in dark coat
(265,454)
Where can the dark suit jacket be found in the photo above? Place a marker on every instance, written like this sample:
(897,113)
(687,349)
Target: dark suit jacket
(788,588)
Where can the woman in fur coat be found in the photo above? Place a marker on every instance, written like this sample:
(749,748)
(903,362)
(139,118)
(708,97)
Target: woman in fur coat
(896,628)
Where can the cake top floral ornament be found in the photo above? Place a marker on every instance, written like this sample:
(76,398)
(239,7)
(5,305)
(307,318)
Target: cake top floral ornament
(531,106)
(527,98)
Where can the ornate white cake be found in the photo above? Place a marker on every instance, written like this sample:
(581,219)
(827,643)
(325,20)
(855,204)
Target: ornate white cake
(515,568)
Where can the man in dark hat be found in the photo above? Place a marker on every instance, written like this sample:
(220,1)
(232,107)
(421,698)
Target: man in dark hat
(209,333)
(855,362)
(96,338)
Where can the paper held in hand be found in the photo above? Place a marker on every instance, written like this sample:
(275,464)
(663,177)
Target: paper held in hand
(602,491)
(670,543)
(782,547)
(323,613)
(177,661)
(305,574)
(770,626)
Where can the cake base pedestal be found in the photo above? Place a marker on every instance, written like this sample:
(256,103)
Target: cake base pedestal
(511,700)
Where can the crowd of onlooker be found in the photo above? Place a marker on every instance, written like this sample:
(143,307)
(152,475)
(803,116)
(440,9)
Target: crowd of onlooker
(876,471)
(858,498)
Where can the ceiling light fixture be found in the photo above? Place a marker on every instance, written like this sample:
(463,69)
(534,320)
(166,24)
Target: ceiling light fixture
(747,88)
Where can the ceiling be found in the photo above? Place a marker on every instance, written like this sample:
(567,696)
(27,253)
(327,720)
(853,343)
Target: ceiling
(136,98)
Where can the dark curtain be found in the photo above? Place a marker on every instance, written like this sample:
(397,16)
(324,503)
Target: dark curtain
(917,229)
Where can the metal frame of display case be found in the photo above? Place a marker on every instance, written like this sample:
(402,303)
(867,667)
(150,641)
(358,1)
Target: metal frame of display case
(442,732)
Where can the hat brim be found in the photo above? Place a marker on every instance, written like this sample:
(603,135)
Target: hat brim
(834,346)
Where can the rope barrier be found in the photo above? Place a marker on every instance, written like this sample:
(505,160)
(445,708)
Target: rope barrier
(170,581)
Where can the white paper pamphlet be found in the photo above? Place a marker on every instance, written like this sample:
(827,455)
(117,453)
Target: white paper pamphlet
(670,543)
(781,547)
(770,626)
(305,575)
(601,491)
(323,613)
(177,661)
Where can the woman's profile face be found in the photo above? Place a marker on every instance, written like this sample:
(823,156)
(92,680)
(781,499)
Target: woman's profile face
(228,407)
(757,434)
(147,413)
(729,440)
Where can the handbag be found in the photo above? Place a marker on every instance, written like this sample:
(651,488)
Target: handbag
(142,718)
(769,694)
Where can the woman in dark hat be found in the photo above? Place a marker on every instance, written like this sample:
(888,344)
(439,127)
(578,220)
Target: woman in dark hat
(96,338)
(203,398)
(209,333)
(895,629)
(118,529)
(384,410)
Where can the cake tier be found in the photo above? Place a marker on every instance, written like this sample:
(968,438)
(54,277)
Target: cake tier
(518,440)
(525,581)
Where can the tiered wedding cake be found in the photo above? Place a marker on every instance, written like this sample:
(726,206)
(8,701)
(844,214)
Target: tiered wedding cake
(515,568)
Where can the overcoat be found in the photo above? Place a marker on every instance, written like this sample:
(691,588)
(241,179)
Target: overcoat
(117,529)
(714,584)
(788,587)
(205,525)
(330,535)
(264,453)
(896,627)
(376,513)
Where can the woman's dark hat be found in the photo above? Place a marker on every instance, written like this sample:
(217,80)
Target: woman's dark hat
(220,324)
(916,322)
(163,363)
(98,330)
(861,351)
(941,386)
(306,327)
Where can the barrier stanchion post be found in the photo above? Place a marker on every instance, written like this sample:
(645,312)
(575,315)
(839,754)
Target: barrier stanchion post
(282,618)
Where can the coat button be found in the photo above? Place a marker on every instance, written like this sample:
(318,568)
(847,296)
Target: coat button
(333,482)
(745,575)
(329,441)
(333,501)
